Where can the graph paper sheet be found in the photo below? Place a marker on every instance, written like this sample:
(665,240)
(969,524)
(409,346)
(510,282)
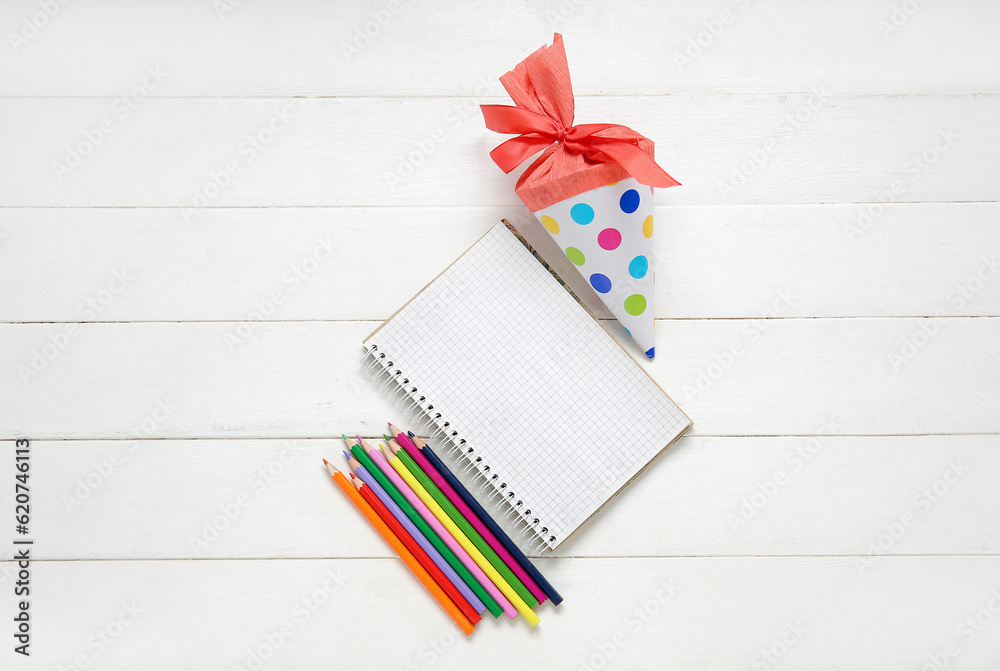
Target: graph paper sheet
(545,404)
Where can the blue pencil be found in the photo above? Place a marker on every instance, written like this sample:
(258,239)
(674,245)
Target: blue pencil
(411,529)
(494,528)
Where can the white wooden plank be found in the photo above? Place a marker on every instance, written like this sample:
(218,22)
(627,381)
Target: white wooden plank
(361,48)
(233,499)
(726,149)
(619,613)
(712,261)
(305,379)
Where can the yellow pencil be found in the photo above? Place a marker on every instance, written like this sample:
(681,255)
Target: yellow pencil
(462,539)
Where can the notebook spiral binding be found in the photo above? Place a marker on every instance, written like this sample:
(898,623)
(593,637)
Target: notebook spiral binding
(380,366)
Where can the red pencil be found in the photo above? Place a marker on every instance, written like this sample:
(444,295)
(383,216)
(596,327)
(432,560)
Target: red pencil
(414,547)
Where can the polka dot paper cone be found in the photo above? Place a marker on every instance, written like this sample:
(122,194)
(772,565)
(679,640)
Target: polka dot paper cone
(607,233)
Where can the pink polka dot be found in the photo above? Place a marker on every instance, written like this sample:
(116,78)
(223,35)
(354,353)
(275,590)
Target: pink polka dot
(609,238)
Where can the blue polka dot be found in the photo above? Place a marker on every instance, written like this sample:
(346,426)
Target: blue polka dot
(582,213)
(600,282)
(629,201)
(638,267)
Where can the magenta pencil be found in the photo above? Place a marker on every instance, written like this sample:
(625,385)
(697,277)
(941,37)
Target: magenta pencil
(463,556)
(442,484)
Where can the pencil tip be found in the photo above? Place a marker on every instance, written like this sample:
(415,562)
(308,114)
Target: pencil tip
(347,455)
(344,436)
(410,434)
(326,462)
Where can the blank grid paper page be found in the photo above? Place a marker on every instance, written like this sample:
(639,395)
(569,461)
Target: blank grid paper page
(545,397)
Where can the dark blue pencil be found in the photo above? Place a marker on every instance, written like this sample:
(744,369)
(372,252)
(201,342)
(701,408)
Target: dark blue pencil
(484,516)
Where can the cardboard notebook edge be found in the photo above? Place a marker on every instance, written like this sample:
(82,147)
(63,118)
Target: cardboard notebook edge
(539,258)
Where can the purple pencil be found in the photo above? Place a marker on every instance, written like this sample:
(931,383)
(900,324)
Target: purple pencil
(411,448)
(411,529)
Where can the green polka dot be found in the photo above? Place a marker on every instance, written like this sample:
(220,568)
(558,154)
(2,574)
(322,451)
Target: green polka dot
(575,255)
(635,304)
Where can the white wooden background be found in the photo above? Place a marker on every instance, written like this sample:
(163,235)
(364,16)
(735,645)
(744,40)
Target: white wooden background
(828,311)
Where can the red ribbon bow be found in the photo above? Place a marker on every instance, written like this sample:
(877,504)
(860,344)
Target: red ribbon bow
(540,87)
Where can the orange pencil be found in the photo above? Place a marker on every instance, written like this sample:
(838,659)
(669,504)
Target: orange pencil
(404,554)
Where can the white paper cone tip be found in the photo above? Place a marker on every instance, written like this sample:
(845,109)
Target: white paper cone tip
(607,233)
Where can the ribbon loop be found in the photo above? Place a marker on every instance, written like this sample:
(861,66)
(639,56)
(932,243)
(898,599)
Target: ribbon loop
(541,89)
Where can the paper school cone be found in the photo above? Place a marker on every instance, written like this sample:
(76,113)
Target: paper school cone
(607,233)
(591,187)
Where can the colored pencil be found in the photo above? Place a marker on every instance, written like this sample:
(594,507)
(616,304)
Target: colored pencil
(358,449)
(476,509)
(463,622)
(466,527)
(425,545)
(408,541)
(497,603)
(441,525)
(418,487)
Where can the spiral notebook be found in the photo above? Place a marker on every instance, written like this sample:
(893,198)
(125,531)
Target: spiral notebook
(521,381)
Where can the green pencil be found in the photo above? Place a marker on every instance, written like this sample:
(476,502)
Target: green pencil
(463,524)
(377,472)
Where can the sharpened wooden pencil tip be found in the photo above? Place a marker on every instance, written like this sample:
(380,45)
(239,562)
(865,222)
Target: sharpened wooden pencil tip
(326,462)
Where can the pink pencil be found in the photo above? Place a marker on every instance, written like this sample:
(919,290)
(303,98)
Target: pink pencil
(463,556)
(442,484)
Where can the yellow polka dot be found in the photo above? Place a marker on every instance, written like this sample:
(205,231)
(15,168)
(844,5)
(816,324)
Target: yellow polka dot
(647,226)
(612,183)
(550,224)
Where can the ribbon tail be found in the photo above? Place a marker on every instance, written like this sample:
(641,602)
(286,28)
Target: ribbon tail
(634,160)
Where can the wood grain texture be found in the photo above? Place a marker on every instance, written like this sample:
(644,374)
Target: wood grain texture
(305,379)
(736,149)
(816,495)
(712,261)
(367,48)
(720,613)
(192,294)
